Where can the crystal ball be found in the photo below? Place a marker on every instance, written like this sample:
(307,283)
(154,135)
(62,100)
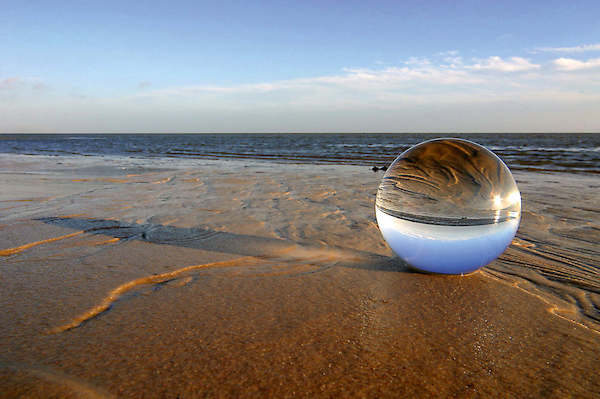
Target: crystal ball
(448,206)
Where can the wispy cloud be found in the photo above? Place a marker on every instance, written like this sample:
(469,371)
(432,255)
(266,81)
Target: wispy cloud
(424,72)
(10,83)
(570,64)
(448,53)
(18,82)
(513,64)
(418,74)
(422,79)
(574,49)
(13,88)
(510,93)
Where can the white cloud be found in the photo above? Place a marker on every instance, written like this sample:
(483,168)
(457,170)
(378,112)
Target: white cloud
(575,49)
(514,64)
(570,64)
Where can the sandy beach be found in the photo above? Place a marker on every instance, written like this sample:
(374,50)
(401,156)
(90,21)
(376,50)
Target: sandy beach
(194,278)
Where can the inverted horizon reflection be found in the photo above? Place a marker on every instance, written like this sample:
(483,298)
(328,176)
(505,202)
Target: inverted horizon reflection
(448,206)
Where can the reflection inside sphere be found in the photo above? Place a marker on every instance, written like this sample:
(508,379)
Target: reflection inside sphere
(448,206)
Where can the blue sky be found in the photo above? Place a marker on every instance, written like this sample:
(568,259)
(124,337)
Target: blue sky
(275,66)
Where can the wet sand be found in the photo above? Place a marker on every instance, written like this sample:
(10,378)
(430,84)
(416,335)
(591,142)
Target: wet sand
(170,278)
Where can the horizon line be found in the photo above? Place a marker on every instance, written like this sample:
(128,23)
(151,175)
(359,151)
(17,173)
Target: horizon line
(300,132)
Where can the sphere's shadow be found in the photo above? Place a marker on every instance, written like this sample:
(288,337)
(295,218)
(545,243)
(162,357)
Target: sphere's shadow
(231,243)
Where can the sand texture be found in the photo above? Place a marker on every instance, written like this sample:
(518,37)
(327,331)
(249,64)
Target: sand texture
(192,279)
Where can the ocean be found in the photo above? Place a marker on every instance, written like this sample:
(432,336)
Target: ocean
(569,152)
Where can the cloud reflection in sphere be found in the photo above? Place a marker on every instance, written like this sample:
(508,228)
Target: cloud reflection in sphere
(448,206)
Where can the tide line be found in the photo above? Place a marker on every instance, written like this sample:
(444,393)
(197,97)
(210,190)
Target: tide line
(16,250)
(116,293)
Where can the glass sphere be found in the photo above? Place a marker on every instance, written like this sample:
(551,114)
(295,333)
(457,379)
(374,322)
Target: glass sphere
(448,206)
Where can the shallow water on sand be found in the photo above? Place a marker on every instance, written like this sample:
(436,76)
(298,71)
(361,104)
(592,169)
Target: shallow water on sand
(175,277)
(572,152)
